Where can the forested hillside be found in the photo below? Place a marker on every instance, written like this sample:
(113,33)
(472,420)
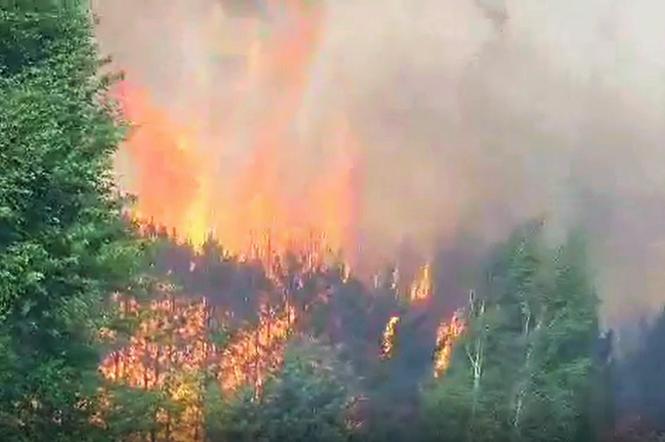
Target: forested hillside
(116,328)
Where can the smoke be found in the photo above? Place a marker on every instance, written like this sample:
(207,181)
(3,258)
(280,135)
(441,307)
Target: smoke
(469,116)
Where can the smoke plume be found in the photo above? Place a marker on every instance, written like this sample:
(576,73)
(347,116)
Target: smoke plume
(455,115)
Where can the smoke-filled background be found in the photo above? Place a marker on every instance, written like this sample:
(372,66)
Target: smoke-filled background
(392,122)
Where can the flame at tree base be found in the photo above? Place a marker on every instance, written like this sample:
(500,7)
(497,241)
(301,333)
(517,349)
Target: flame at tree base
(389,337)
(447,335)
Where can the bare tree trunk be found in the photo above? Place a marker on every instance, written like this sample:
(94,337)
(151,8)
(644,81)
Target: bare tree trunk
(476,357)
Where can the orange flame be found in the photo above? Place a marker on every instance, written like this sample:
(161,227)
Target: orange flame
(168,350)
(252,212)
(422,287)
(389,334)
(446,336)
(255,353)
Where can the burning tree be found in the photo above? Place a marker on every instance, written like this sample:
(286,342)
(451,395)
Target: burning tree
(256,352)
(422,287)
(447,335)
(389,337)
(169,351)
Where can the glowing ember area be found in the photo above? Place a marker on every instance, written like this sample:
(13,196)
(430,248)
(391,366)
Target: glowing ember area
(234,181)
(167,352)
(446,336)
(422,287)
(389,337)
(255,353)
(172,336)
(170,350)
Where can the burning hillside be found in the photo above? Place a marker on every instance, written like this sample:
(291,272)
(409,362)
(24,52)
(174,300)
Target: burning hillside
(174,348)
(317,185)
(378,123)
(232,163)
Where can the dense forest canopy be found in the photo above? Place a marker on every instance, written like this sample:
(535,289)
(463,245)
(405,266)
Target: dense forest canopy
(114,327)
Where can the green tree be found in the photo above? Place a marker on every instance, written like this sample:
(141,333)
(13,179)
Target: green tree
(524,369)
(308,401)
(63,244)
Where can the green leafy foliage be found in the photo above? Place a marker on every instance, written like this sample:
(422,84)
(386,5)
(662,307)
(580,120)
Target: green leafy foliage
(308,401)
(524,369)
(63,244)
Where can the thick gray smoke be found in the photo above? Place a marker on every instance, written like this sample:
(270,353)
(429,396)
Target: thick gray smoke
(473,115)
(481,114)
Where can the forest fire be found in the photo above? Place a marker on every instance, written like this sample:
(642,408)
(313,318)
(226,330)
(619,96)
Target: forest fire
(389,336)
(256,352)
(172,335)
(421,288)
(171,349)
(249,207)
(312,187)
(447,335)
(239,172)
(167,352)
